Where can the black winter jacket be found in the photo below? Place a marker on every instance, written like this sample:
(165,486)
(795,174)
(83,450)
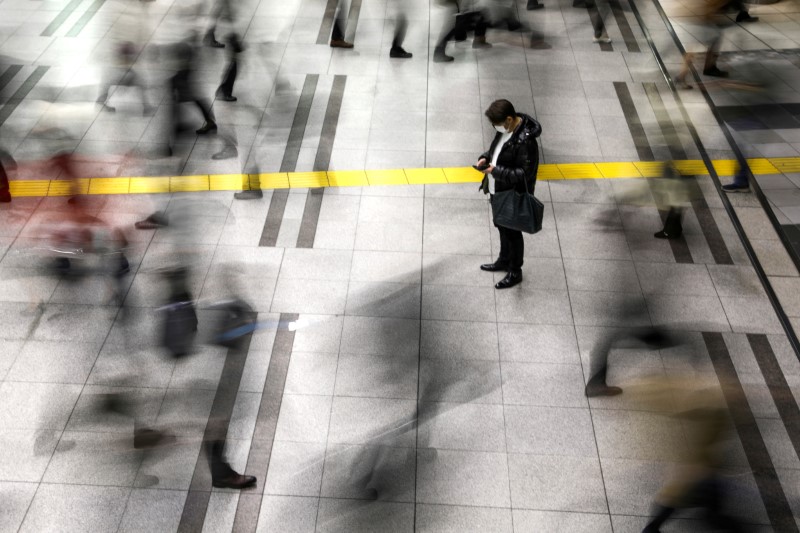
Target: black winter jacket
(519,158)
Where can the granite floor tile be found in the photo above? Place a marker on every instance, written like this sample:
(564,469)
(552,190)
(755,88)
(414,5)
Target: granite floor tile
(54,505)
(462,478)
(556,483)
(543,384)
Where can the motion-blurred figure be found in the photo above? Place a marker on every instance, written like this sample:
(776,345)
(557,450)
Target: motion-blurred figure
(696,481)
(123,75)
(128,36)
(400,27)
(221,10)
(7,163)
(183,86)
(235,325)
(649,336)
(180,315)
(715,22)
(672,193)
(461,18)
(234,48)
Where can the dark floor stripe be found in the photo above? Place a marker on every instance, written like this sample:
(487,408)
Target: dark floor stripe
(272,226)
(634,122)
(680,248)
(769,486)
(8,75)
(219,418)
(624,26)
(716,243)
(326,27)
(292,152)
(20,94)
(277,206)
(194,512)
(85,18)
(266,424)
(330,124)
(60,18)
(308,225)
(778,386)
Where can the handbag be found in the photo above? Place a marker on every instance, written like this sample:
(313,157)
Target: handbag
(521,212)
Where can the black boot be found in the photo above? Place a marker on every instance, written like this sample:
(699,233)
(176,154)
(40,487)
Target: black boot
(534,4)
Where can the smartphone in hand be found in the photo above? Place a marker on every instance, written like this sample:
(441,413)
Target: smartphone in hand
(481,168)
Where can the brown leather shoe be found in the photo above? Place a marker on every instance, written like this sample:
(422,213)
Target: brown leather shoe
(341,43)
(235,481)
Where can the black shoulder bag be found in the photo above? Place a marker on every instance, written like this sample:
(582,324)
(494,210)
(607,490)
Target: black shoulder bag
(521,212)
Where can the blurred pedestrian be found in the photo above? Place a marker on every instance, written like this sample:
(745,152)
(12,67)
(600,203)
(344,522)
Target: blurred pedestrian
(511,163)
(463,17)
(221,10)
(671,193)
(7,162)
(234,48)
(696,481)
(122,74)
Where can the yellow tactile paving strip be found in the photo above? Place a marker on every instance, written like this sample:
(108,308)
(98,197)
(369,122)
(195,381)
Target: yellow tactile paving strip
(365,178)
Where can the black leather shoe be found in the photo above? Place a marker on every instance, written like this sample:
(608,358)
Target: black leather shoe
(744,16)
(511,279)
(497,266)
(399,53)
(234,481)
(439,56)
(664,235)
(594,390)
(714,71)
(208,127)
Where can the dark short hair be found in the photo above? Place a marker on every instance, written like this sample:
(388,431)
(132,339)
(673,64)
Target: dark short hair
(499,110)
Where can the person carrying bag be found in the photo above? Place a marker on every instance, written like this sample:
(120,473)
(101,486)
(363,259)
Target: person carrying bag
(509,167)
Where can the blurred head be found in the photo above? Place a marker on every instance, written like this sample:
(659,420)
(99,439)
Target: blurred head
(502,115)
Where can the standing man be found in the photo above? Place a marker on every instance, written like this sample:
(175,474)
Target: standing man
(511,162)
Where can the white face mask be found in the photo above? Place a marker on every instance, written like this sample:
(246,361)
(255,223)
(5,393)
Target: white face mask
(500,129)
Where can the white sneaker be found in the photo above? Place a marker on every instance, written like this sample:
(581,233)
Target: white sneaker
(603,40)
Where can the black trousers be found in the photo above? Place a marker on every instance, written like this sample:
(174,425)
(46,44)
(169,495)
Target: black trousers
(512,248)
(339,23)
(458,30)
(220,469)
(226,87)
(401,25)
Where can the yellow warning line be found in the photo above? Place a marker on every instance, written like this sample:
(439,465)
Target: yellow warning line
(366,178)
